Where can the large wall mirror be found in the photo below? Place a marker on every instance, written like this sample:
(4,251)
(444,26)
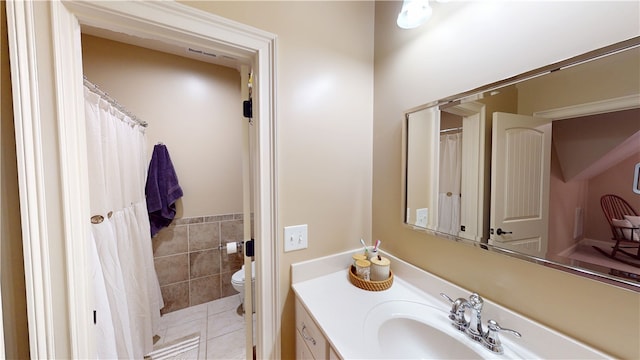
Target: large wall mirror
(520,166)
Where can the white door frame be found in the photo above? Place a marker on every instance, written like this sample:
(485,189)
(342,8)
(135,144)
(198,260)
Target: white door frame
(472,203)
(46,72)
(591,108)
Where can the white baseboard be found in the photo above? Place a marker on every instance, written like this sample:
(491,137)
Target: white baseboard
(586,242)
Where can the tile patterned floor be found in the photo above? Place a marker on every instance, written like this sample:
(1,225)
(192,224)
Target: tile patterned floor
(221,329)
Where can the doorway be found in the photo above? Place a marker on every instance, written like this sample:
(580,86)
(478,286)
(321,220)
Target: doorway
(53,168)
(193,110)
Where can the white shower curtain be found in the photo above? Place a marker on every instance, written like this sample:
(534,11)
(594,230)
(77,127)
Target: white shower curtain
(449,186)
(127,293)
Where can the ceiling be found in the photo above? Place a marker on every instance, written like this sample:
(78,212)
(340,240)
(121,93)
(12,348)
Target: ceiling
(588,146)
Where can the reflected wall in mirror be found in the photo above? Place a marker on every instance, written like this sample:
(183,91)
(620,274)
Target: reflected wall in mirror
(522,164)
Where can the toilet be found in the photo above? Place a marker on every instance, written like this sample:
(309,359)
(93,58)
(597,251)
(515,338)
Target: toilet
(237,281)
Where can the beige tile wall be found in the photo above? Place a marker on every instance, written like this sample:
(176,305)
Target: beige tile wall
(191,259)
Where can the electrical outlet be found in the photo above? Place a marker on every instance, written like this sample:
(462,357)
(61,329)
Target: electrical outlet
(421,217)
(295,237)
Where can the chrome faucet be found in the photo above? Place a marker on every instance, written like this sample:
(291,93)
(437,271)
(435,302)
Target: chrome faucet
(456,314)
(473,326)
(475,321)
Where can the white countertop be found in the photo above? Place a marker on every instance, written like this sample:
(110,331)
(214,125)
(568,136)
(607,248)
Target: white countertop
(340,308)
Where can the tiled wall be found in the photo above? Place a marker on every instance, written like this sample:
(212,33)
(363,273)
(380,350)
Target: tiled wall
(191,267)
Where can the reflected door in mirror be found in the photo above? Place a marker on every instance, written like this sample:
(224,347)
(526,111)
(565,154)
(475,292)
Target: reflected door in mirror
(521,158)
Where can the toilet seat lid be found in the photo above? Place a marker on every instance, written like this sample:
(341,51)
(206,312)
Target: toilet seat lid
(238,276)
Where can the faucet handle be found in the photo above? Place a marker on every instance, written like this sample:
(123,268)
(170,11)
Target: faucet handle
(447,297)
(492,340)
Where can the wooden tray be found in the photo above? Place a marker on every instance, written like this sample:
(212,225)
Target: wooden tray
(367,284)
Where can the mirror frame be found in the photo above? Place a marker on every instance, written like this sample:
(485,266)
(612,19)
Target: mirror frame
(457,99)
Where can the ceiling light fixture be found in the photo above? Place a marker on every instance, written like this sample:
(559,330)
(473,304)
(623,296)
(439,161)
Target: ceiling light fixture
(414,13)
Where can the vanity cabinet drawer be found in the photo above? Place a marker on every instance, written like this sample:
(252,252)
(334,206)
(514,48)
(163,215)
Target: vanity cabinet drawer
(309,334)
(302,351)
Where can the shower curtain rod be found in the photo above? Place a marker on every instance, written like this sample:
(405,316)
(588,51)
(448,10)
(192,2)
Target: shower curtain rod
(451,130)
(94,88)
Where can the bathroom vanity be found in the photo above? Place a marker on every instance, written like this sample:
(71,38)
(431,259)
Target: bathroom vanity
(337,320)
(310,341)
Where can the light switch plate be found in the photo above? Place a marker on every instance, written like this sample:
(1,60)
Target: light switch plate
(295,237)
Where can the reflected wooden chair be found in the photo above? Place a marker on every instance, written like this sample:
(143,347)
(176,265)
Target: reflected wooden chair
(615,208)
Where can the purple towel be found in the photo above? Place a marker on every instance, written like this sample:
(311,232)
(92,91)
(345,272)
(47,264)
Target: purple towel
(162,189)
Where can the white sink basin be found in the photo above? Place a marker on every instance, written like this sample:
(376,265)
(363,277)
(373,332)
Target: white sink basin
(401,329)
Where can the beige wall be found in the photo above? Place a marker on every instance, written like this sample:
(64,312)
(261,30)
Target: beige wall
(324,136)
(606,78)
(564,197)
(192,107)
(466,45)
(14,306)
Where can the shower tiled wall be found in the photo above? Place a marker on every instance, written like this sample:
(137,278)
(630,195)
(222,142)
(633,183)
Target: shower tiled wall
(191,259)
